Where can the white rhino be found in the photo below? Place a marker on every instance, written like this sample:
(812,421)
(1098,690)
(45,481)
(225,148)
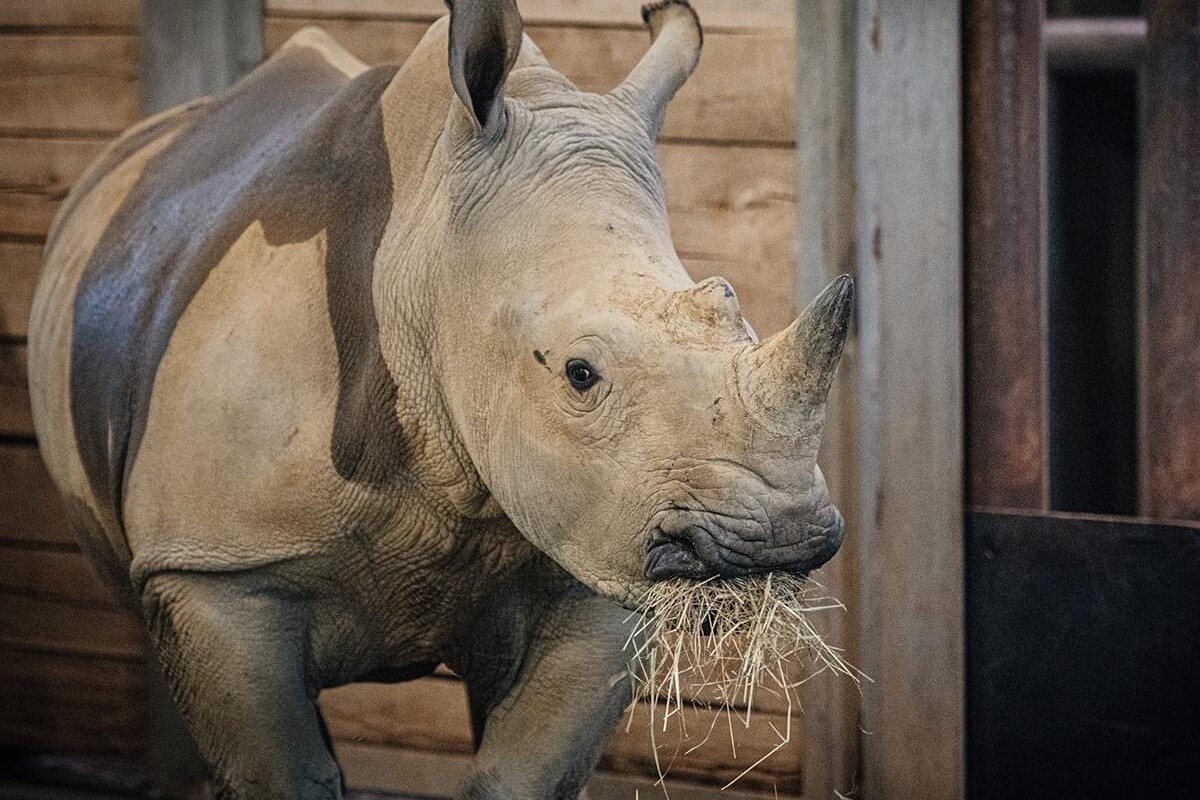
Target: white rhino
(348,372)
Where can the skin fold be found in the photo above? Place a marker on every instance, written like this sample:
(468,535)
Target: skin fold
(346,372)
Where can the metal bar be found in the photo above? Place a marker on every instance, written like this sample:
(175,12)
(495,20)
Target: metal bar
(1169,413)
(1005,269)
(1094,44)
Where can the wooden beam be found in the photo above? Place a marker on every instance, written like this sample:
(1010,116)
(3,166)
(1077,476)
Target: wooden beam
(714,14)
(1005,266)
(196,47)
(1170,270)
(895,446)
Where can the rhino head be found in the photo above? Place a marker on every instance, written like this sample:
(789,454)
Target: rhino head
(624,418)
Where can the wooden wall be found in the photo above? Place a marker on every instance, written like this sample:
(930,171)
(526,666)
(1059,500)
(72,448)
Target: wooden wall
(71,662)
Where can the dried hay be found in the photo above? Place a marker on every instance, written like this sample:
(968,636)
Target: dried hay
(713,647)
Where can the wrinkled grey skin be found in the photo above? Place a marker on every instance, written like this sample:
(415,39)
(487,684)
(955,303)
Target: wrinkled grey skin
(276,543)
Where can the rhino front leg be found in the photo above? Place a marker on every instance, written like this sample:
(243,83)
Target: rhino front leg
(234,656)
(540,733)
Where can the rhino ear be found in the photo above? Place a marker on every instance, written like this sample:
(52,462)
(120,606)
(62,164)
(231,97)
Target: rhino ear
(675,42)
(485,37)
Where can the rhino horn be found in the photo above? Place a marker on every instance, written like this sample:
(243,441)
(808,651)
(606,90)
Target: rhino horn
(675,42)
(785,381)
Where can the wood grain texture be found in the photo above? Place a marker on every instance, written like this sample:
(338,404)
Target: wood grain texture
(70,13)
(62,702)
(827,38)
(422,773)
(68,83)
(1170,280)
(56,575)
(31,509)
(713,13)
(69,627)
(35,175)
(880,196)
(20,263)
(16,420)
(431,714)
(1005,273)
(741,91)
(910,267)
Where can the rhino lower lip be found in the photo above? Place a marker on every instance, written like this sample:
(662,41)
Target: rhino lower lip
(673,558)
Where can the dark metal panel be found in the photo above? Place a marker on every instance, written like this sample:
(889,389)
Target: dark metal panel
(1170,346)
(1005,275)
(1083,635)
(192,48)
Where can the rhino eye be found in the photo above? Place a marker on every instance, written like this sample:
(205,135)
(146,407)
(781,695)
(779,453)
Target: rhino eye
(581,374)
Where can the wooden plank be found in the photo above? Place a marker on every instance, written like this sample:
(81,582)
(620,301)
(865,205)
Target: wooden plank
(68,703)
(1005,275)
(26,214)
(732,212)
(431,714)
(68,627)
(193,48)
(68,83)
(1170,269)
(35,175)
(15,416)
(56,575)
(30,509)
(420,773)
(20,263)
(741,91)
(910,274)
(827,38)
(713,13)
(880,194)
(69,13)
(1083,655)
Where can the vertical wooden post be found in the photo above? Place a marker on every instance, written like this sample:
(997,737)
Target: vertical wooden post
(1005,275)
(191,48)
(826,38)
(880,192)
(1169,417)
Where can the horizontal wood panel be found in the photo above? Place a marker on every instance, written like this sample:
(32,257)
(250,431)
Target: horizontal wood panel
(432,714)
(421,773)
(20,263)
(30,509)
(15,416)
(54,575)
(62,702)
(68,83)
(36,172)
(70,13)
(741,91)
(26,214)
(68,627)
(713,13)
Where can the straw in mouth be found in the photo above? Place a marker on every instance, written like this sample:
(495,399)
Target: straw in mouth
(718,644)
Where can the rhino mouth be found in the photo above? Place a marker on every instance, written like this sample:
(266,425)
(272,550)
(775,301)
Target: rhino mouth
(697,553)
